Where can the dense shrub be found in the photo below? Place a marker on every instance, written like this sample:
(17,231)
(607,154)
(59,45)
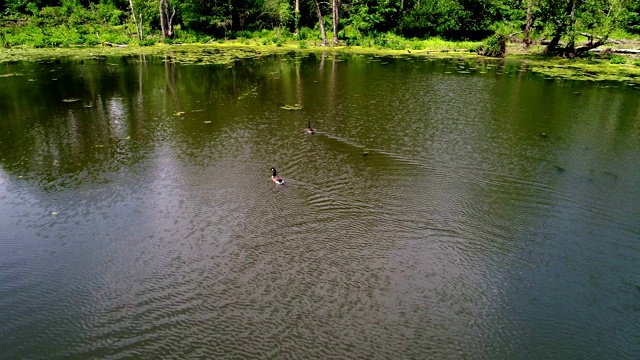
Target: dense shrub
(307,34)
(432,18)
(260,34)
(115,38)
(617,59)
(147,42)
(243,34)
(494,46)
(389,41)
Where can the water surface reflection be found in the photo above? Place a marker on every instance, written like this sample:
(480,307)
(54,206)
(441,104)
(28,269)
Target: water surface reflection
(444,208)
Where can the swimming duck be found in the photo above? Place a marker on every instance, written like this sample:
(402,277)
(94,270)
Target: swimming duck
(275,178)
(309,129)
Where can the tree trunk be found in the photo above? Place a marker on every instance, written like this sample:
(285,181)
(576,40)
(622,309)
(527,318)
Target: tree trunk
(234,18)
(553,44)
(527,27)
(163,27)
(170,27)
(570,49)
(322,29)
(615,51)
(296,17)
(133,14)
(166,22)
(336,5)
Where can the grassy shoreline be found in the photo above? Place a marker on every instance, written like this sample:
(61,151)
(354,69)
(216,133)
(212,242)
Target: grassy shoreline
(592,69)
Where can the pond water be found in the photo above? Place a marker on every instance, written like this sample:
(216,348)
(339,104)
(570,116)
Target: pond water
(443,209)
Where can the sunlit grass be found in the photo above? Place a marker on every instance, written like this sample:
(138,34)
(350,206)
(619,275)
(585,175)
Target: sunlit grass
(438,43)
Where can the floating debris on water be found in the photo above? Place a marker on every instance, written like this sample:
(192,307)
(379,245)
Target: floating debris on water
(292,107)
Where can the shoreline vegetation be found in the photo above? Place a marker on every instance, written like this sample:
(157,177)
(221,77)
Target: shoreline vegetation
(569,39)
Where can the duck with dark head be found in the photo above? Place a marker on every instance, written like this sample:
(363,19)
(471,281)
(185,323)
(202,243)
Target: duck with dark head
(275,178)
(309,129)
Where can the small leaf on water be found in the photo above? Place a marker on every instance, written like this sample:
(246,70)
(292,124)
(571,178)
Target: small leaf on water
(54,213)
(207,122)
(70,100)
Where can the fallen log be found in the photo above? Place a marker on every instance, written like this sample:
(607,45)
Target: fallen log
(591,37)
(562,43)
(617,51)
(106,43)
(593,47)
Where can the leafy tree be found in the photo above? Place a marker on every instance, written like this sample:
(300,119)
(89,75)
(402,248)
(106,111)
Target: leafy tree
(207,16)
(108,13)
(569,18)
(373,16)
(278,12)
(454,18)
(432,17)
(631,17)
(565,22)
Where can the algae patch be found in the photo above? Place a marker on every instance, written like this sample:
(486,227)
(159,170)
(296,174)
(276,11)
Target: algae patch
(185,54)
(227,53)
(583,69)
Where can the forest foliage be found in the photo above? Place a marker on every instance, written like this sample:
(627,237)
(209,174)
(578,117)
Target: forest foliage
(385,23)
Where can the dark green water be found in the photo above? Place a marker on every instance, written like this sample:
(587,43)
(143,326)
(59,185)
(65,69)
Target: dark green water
(141,221)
